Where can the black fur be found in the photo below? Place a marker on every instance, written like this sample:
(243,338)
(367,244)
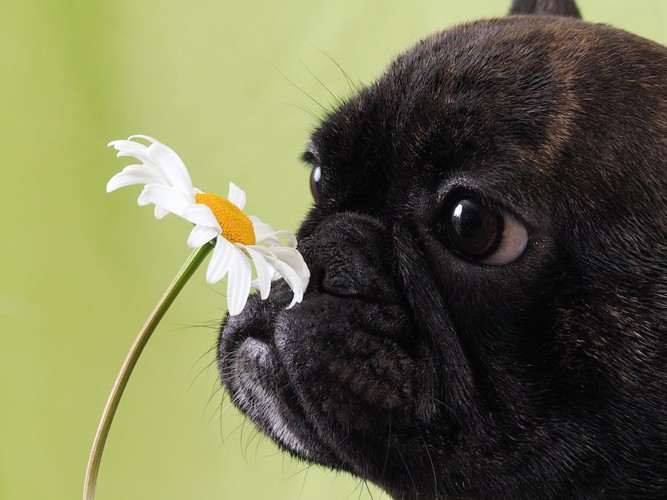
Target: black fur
(437,376)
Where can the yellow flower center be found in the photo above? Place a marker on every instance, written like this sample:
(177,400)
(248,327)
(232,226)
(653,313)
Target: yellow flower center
(236,227)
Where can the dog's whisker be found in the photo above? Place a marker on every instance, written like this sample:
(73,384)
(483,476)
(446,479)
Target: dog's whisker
(205,369)
(206,325)
(387,448)
(407,470)
(258,441)
(357,489)
(303,482)
(430,459)
(305,467)
(216,390)
(300,89)
(305,110)
(368,490)
(336,446)
(354,87)
(336,98)
(442,403)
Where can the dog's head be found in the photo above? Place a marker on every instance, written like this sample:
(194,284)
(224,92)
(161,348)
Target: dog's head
(486,315)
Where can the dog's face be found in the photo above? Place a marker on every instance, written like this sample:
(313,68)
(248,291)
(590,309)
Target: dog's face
(487,310)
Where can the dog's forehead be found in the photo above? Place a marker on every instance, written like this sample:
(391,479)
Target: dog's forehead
(512,99)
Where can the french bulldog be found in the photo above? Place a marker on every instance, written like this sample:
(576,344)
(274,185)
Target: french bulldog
(487,312)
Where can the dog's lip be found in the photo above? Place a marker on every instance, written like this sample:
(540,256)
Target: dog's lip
(254,348)
(253,344)
(261,362)
(247,324)
(257,337)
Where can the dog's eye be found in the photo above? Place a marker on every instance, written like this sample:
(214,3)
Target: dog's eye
(484,234)
(315,177)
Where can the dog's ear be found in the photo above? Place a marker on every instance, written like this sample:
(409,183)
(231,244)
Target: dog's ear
(545,7)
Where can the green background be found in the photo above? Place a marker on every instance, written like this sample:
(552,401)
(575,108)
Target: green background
(232,86)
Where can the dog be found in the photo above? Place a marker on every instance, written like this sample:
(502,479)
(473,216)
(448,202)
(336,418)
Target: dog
(487,311)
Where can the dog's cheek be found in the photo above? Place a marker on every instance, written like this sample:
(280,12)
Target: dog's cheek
(346,375)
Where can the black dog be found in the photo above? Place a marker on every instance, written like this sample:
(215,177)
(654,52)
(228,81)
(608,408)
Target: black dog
(487,313)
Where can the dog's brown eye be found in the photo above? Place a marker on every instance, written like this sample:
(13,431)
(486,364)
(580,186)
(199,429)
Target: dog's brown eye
(474,230)
(315,177)
(483,234)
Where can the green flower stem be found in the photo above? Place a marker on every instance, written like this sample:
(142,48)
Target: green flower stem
(181,278)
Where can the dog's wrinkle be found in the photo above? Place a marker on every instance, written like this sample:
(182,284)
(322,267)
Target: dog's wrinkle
(351,258)
(430,314)
(486,96)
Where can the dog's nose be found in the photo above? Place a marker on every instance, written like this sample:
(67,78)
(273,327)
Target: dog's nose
(349,255)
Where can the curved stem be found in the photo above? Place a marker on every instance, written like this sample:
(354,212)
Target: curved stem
(181,278)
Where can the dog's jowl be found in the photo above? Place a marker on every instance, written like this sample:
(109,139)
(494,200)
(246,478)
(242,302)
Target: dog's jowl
(487,313)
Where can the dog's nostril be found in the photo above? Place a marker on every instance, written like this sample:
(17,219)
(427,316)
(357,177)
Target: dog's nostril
(346,257)
(254,322)
(262,336)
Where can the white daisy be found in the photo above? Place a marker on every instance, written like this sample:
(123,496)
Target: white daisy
(239,239)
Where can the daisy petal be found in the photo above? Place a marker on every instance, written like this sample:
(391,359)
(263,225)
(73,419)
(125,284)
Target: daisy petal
(290,266)
(273,238)
(238,282)
(265,272)
(259,226)
(160,212)
(294,260)
(266,234)
(134,174)
(293,280)
(200,235)
(158,157)
(164,197)
(130,148)
(236,195)
(220,260)
(201,215)
(170,164)
(136,149)
(148,138)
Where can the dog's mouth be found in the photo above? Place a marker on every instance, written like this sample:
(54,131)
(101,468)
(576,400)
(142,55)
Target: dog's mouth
(314,387)
(259,383)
